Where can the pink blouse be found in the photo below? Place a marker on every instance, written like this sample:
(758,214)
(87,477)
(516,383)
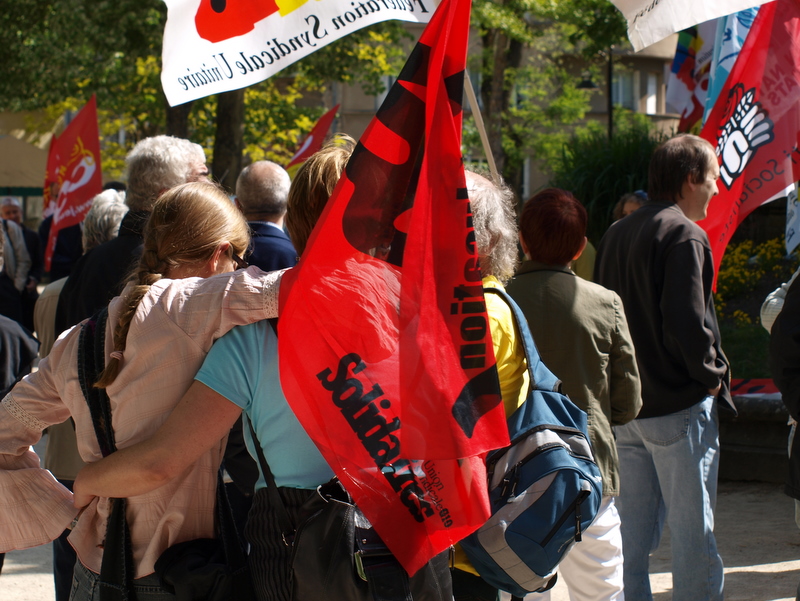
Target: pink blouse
(170,335)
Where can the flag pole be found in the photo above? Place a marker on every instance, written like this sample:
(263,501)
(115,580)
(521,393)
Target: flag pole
(476,113)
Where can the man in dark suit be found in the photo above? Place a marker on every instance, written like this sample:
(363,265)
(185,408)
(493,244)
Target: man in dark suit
(261,192)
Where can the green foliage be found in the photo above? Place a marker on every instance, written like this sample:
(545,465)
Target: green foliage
(73,48)
(744,266)
(747,348)
(57,54)
(748,273)
(362,57)
(595,25)
(528,80)
(599,172)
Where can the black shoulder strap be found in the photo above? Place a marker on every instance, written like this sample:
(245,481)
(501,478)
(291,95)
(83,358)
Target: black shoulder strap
(287,526)
(91,361)
(116,569)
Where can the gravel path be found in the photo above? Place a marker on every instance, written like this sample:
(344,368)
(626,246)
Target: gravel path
(757,537)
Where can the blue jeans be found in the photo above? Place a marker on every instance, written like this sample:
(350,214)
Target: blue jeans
(85,588)
(668,468)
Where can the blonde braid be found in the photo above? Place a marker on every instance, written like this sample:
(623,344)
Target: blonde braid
(150,270)
(186,225)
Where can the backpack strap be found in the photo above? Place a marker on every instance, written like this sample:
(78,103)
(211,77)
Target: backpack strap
(116,569)
(541,376)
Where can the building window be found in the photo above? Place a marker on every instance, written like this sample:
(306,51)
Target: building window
(651,99)
(622,90)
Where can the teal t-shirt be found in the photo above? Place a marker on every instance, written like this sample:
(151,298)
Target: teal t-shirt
(242,366)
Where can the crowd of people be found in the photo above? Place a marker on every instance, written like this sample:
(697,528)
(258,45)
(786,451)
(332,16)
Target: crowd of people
(190,348)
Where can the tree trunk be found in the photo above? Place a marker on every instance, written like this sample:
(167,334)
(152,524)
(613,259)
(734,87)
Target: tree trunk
(178,120)
(500,53)
(229,140)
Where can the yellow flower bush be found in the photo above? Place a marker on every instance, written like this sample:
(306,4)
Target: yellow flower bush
(743,267)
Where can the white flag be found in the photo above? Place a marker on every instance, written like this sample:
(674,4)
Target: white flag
(652,20)
(213,46)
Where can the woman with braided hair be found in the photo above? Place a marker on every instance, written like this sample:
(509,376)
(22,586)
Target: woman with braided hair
(180,299)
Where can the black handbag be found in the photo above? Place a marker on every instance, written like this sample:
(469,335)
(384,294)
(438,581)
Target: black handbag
(209,569)
(196,570)
(336,553)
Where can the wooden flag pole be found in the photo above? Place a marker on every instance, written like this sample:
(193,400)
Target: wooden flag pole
(476,113)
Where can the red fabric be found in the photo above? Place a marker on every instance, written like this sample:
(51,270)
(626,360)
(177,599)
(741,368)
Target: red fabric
(385,353)
(80,175)
(313,141)
(753,386)
(221,20)
(755,124)
(50,189)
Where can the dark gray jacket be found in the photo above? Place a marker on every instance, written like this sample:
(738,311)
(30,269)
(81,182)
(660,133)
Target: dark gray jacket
(660,264)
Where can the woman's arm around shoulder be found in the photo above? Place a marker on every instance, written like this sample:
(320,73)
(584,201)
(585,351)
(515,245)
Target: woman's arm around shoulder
(201,419)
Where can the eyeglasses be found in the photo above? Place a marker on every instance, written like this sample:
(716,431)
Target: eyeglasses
(240,263)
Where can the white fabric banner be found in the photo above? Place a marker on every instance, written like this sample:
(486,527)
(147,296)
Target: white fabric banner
(213,46)
(652,20)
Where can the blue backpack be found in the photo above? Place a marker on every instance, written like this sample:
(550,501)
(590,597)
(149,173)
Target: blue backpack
(544,488)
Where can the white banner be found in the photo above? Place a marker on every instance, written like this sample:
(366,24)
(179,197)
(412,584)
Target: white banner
(213,46)
(652,20)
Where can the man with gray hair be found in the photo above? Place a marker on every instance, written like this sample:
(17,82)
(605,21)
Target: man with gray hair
(261,193)
(659,261)
(153,166)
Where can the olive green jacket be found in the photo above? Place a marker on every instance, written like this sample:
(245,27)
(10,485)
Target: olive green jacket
(582,335)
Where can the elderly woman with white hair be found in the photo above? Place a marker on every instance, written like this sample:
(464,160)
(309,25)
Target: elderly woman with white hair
(494,220)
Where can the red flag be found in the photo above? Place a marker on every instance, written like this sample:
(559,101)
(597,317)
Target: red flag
(395,378)
(77,159)
(313,141)
(51,178)
(755,124)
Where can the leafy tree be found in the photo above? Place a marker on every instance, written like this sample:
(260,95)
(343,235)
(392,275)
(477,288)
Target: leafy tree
(58,53)
(599,171)
(526,85)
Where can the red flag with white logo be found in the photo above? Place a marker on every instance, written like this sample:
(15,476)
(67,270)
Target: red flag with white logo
(755,123)
(395,378)
(80,176)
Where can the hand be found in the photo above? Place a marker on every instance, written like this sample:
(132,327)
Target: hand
(79,501)
(747,128)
